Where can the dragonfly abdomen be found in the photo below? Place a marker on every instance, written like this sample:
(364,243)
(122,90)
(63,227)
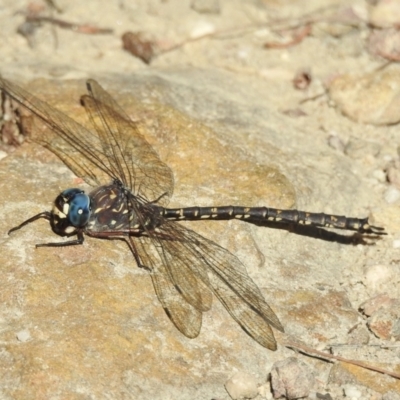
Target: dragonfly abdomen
(253,214)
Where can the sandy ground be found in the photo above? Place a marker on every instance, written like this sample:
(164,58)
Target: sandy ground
(225,115)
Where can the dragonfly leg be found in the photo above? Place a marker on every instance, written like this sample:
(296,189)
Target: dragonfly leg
(74,242)
(134,251)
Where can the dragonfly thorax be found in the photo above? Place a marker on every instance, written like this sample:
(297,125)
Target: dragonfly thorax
(116,209)
(71,211)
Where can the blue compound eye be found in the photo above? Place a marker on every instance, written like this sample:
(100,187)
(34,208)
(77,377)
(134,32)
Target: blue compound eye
(79,209)
(68,194)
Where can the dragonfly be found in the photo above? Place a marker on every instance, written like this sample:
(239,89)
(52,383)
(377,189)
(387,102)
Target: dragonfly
(131,189)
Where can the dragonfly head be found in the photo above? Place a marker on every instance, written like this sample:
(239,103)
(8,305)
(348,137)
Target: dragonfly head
(71,211)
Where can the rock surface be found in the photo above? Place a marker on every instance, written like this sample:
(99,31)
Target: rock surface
(84,321)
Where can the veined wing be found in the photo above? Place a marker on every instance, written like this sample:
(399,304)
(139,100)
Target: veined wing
(131,157)
(183,296)
(89,153)
(184,252)
(79,148)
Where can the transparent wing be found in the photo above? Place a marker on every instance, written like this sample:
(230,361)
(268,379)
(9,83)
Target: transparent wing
(116,149)
(74,144)
(131,157)
(185,258)
(183,302)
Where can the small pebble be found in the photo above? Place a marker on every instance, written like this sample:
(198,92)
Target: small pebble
(138,45)
(377,276)
(385,43)
(379,175)
(385,13)
(242,386)
(375,303)
(23,336)
(291,378)
(385,323)
(392,195)
(352,392)
(302,79)
(352,95)
(393,176)
(336,143)
(202,28)
(359,336)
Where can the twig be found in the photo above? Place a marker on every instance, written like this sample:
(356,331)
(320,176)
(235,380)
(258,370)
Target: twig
(330,357)
(81,28)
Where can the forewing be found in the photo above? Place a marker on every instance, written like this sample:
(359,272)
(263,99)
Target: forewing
(131,157)
(226,276)
(114,150)
(79,148)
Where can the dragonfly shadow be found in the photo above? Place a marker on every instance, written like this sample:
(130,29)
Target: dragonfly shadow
(316,232)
